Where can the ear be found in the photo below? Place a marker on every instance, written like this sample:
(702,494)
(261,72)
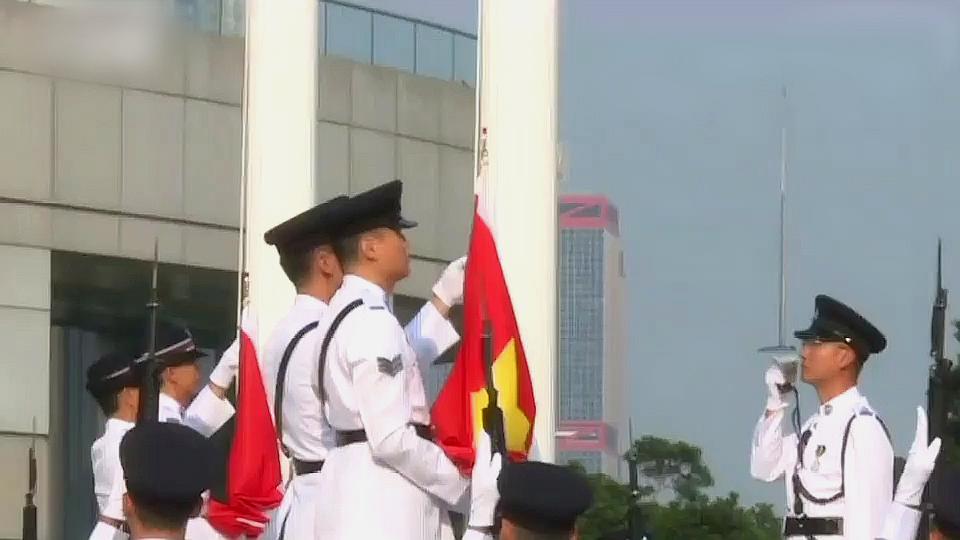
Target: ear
(166,374)
(369,246)
(327,262)
(848,358)
(128,508)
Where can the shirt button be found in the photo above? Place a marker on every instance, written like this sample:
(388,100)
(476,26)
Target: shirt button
(827,409)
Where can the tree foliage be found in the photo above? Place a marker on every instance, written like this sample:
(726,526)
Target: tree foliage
(674,465)
(673,470)
(951,438)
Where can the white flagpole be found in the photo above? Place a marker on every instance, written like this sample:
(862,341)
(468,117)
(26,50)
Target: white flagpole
(517,91)
(279,128)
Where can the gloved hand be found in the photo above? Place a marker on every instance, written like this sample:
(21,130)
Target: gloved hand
(449,288)
(919,466)
(484,495)
(774,378)
(227,367)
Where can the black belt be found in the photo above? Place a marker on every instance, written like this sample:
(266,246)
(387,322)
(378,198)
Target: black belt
(358,435)
(306,467)
(813,526)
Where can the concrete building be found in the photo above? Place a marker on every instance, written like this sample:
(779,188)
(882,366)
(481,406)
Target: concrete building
(592,361)
(92,170)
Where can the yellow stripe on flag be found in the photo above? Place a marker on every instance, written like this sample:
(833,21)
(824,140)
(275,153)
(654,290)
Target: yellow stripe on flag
(516,425)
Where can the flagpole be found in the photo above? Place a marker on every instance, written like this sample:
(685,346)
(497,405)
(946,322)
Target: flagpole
(279,127)
(518,145)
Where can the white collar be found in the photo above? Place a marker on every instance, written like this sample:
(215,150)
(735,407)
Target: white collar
(308,301)
(845,401)
(165,401)
(118,424)
(359,284)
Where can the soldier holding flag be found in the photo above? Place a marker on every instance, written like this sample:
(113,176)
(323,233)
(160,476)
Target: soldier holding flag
(372,392)
(305,245)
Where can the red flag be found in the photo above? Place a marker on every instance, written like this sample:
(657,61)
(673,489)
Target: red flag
(457,414)
(253,472)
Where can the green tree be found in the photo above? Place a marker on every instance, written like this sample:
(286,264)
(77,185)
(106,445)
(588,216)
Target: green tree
(677,469)
(951,438)
(674,465)
(721,518)
(611,503)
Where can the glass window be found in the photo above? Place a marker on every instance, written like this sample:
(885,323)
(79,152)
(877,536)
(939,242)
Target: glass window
(393,42)
(465,60)
(348,33)
(232,22)
(434,52)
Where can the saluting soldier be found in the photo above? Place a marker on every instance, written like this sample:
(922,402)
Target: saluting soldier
(839,469)
(180,403)
(305,245)
(385,478)
(113,381)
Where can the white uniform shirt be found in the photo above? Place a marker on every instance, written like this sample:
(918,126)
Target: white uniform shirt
(373,383)
(867,474)
(305,434)
(105,457)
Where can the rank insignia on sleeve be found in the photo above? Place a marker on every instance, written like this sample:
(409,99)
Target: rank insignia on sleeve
(390,367)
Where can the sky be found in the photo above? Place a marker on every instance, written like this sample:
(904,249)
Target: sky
(673,109)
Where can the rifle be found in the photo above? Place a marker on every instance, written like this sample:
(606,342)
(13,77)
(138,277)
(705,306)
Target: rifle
(149,384)
(492,414)
(29,508)
(937,389)
(635,524)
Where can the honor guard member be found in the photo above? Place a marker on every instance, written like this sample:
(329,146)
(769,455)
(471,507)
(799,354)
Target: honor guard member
(113,381)
(541,501)
(205,412)
(307,257)
(839,470)
(385,478)
(167,467)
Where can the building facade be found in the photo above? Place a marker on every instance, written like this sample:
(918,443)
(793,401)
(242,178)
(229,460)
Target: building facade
(94,170)
(592,361)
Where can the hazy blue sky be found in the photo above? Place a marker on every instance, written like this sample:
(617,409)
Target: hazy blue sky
(673,110)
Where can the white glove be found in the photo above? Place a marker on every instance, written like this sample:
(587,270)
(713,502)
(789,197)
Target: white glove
(919,466)
(449,288)
(775,379)
(227,367)
(484,495)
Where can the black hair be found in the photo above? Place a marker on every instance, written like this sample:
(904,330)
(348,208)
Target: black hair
(108,402)
(164,515)
(296,264)
(347,249)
